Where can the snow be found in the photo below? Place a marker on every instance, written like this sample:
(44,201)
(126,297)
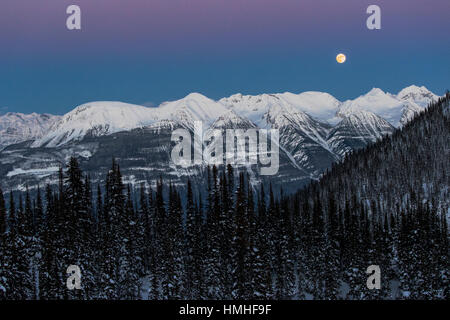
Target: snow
(41,173)
(194,107)
(378,102)
(377,126)
(19,127)
(323,107)
(319,105)
(420,96)
(96,118)
(308,111)
(107,117)
(396,109)
(86,154)
(231,120)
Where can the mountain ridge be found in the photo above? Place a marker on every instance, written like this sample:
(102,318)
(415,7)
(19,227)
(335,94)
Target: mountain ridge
(19,127)
(321,106)
(309,142)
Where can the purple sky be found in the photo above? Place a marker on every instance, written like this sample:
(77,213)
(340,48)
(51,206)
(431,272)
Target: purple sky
(187,44)
(157,26)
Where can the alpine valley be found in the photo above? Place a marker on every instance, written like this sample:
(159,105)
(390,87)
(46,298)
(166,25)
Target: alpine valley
(316,130)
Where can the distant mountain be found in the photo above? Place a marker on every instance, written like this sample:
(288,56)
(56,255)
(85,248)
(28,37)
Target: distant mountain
(194,107)
(388,205)
(357,130)
(105,118)
(316,130)
(319,105)
(418,95)
(96,119)
(301,136)
(396,109)
(19,127)
(409,165)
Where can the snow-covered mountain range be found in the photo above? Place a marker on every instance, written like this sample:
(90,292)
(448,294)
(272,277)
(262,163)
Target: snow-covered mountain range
(19,127)
(312,112)
(397,109)
(315,128)
(107,117)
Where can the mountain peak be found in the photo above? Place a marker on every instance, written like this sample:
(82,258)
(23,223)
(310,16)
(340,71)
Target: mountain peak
(107,117)
(193,107)
(376,91)
(197,97)
(421,96)
(96,118)
(413,88)
(19,127)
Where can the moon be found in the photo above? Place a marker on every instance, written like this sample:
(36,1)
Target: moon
(340,58)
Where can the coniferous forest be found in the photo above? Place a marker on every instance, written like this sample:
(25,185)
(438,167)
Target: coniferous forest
(384,205)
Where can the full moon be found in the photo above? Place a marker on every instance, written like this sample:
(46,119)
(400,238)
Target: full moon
(340,58)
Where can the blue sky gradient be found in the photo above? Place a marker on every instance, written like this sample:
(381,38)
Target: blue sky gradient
(147,52)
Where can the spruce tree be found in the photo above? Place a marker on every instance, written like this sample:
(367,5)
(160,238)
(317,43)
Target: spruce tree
(241,242)
(191,247)
(3,253)
(213,260)
(3,217)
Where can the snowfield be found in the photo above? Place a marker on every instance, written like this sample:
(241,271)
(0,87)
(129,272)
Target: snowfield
(316,130)
(265,110)
(37,172)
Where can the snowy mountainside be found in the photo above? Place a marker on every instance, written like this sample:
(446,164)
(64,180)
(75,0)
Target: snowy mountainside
(96,119)
(301,136)
(104,118)
(315,129)
(357,130)
(418,95)
(230,120)
(397,109)
(19,127)
(194,107)
(319,105)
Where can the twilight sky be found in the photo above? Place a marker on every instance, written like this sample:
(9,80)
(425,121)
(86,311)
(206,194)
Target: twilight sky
(149,51)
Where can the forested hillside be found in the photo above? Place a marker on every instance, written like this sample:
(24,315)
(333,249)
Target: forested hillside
(384,205)
(388,204)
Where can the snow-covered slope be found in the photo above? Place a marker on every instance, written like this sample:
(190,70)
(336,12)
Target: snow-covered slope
(194,107)
(316,119)
(318,105)
(310,114)
(96,119)
(357,130)
(378,102)
(19,127)
(315,131)
(396,109)
(418,95)
(104,118)
(302,137)
(230,120)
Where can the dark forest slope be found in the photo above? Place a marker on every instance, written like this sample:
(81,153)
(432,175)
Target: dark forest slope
(388,204)
(385,205)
